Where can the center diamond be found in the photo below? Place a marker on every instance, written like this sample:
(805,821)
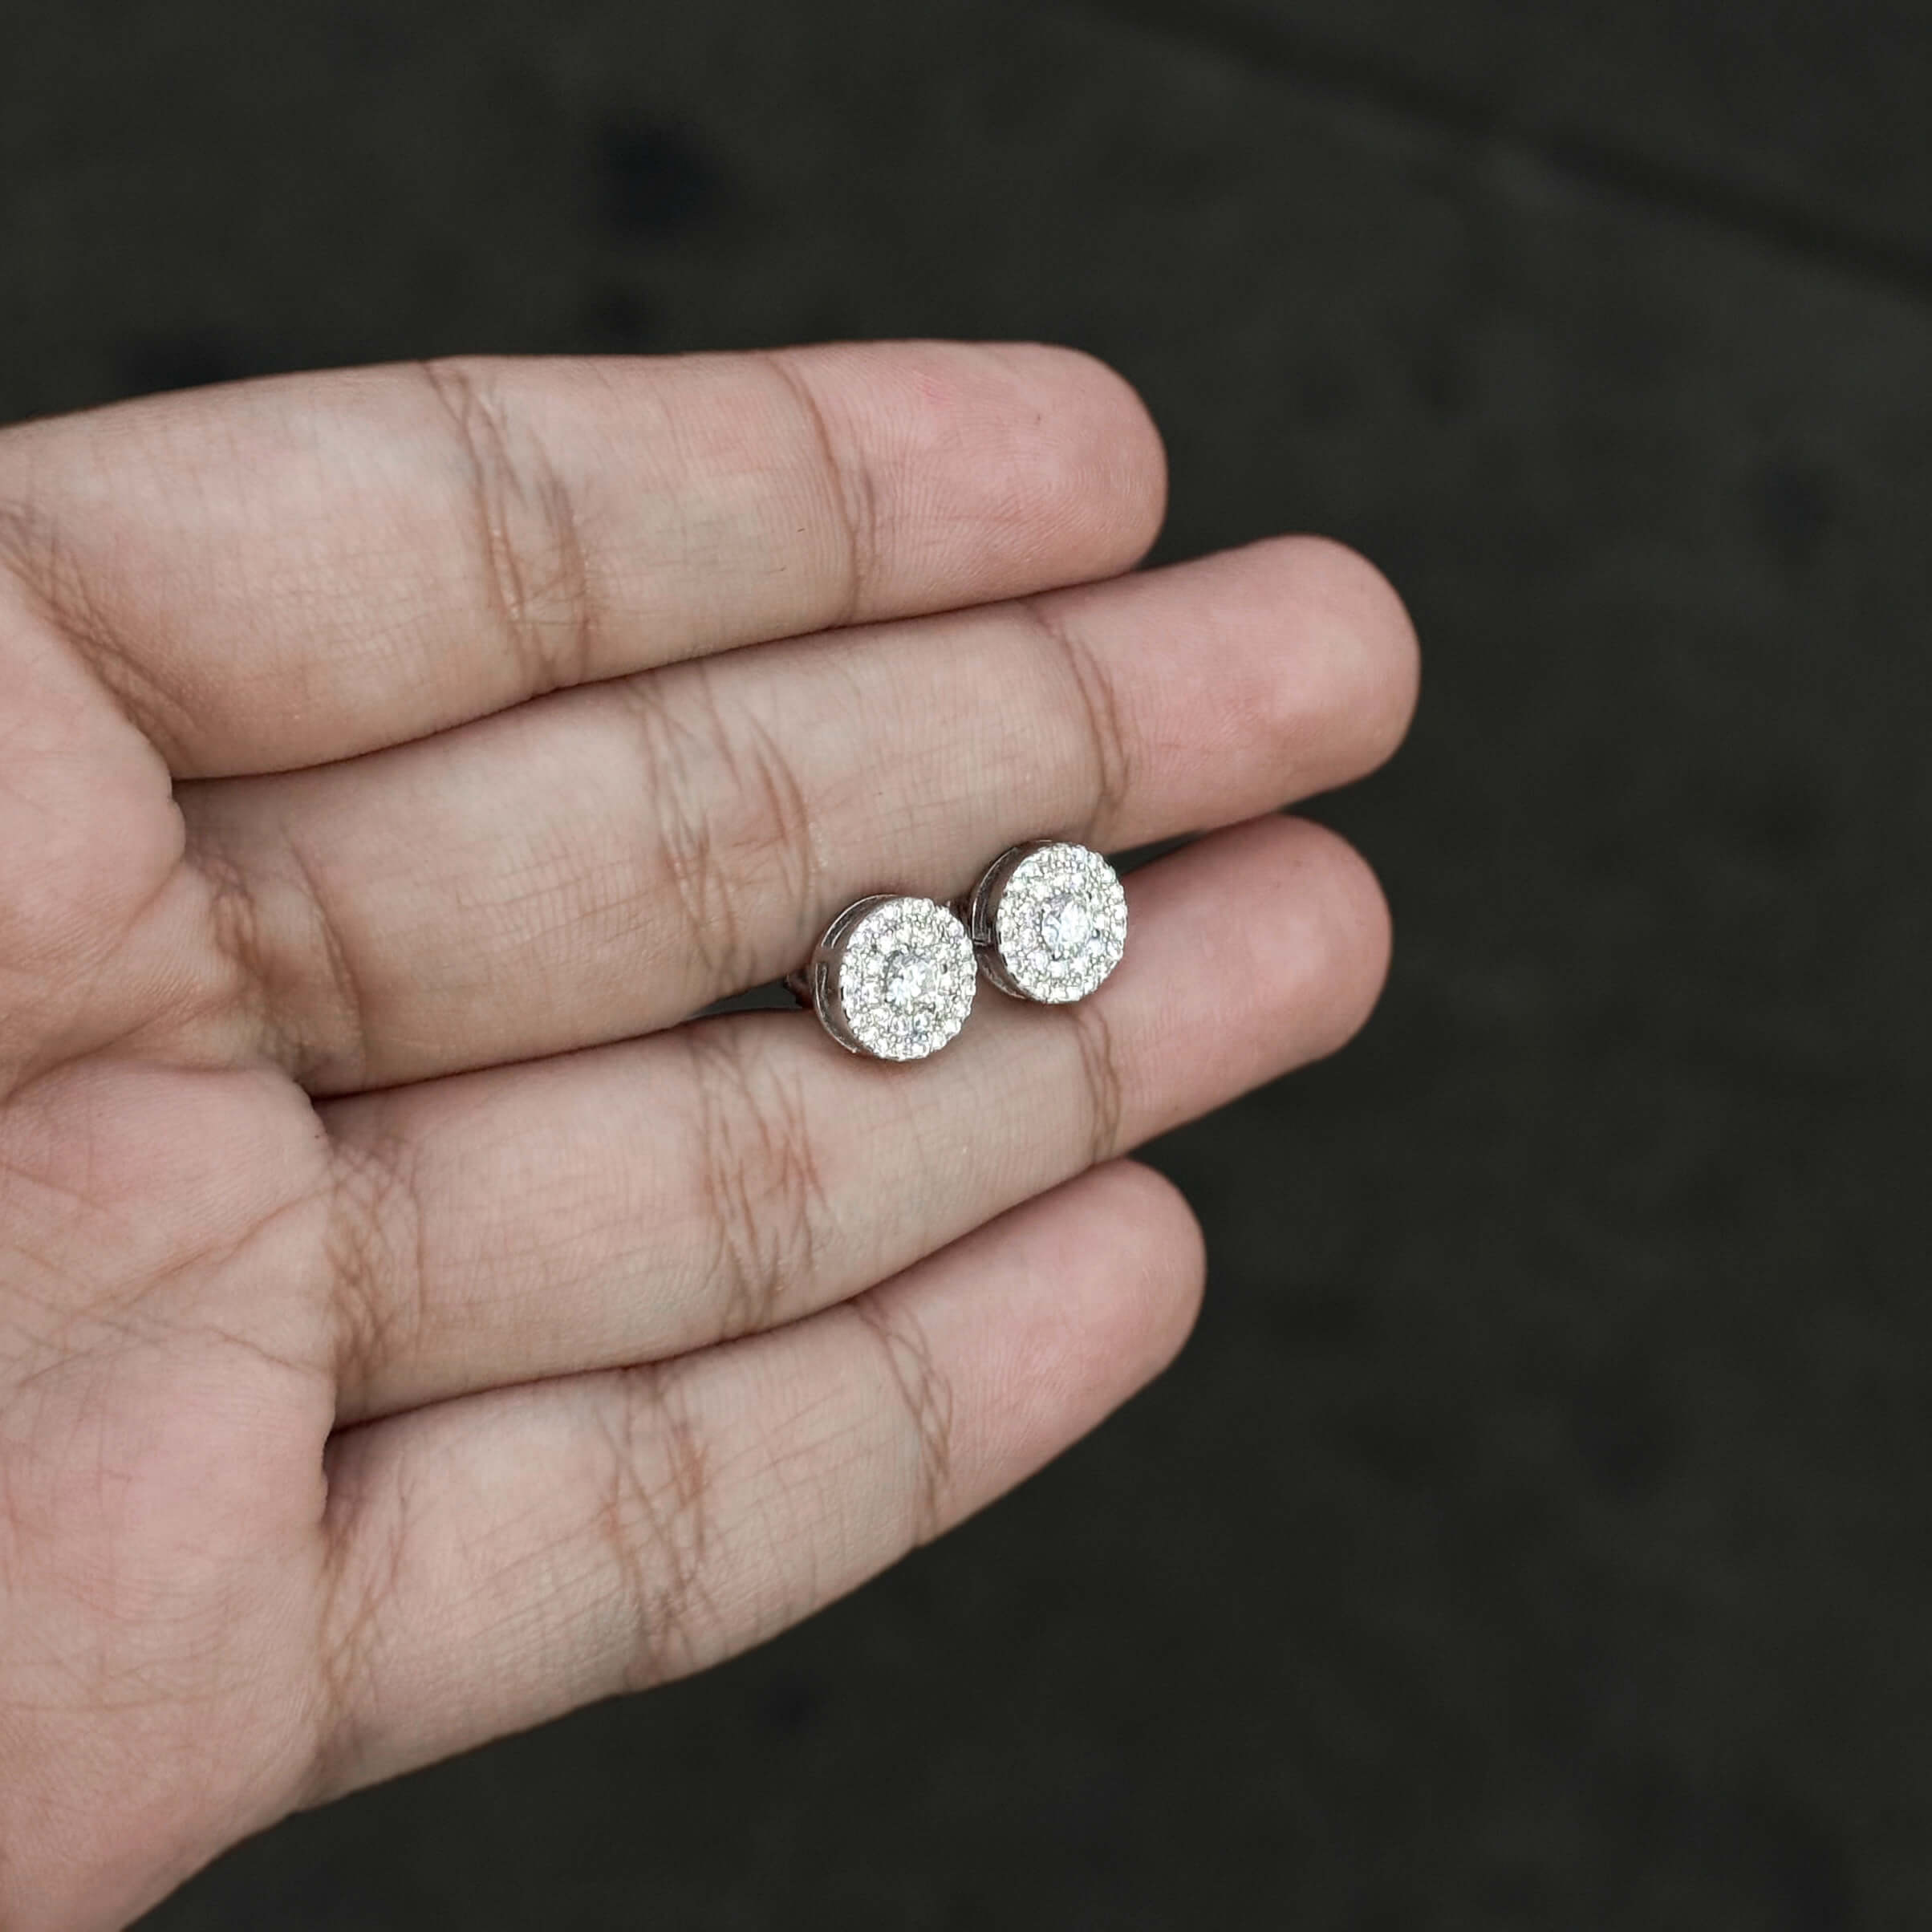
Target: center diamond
(907,980)
(1065,924)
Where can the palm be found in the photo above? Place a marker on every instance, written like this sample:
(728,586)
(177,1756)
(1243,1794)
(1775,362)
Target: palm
(411,1323)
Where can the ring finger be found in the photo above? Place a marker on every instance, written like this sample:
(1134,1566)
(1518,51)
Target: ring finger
(642,1200)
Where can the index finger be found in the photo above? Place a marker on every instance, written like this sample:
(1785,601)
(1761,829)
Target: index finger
(285,572)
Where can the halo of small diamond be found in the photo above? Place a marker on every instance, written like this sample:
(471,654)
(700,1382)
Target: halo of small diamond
(906,980)
(1062,923)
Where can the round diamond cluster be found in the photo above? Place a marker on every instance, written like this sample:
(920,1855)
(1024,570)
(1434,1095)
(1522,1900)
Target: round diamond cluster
(1062,923)
(907,979)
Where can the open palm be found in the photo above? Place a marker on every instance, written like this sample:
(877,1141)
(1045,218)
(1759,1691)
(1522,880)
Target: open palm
(413,1322)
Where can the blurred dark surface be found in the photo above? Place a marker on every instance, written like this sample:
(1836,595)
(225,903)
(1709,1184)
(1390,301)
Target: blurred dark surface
(1536,1533)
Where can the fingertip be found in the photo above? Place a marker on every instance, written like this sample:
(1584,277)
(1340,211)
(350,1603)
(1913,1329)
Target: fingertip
(1128,1264)
(1096,462)
(1166,1256)
(1317,658)
(1370,640)
(970,472)
(1341,928)
(1281,935)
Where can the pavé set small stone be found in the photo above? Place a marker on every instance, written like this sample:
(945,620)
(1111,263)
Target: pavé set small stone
(893,976)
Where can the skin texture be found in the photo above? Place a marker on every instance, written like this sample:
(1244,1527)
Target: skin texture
(413,1323)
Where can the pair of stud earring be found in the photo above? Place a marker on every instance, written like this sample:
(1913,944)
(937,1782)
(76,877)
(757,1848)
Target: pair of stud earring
(893,976)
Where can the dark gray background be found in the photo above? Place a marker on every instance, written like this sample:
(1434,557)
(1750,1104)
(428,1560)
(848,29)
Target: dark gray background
(1535,1534)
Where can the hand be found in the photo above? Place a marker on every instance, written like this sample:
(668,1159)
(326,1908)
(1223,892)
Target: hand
(412,1324)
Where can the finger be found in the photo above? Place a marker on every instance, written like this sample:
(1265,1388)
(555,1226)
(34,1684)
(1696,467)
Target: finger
(612,860)
(638,1202)
(508,1556)
(278,573)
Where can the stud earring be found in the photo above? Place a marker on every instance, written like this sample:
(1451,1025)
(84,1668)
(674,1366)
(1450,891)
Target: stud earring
(891,977)
(1047,921)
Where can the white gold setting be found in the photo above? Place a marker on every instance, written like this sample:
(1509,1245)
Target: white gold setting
(1048,921)
(893,977)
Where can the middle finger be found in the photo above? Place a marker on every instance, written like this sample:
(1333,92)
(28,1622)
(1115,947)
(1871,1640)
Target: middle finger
(605,861)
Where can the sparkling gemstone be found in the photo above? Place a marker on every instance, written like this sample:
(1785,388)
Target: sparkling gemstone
(1065,924)
(1061,923)
(906,980)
